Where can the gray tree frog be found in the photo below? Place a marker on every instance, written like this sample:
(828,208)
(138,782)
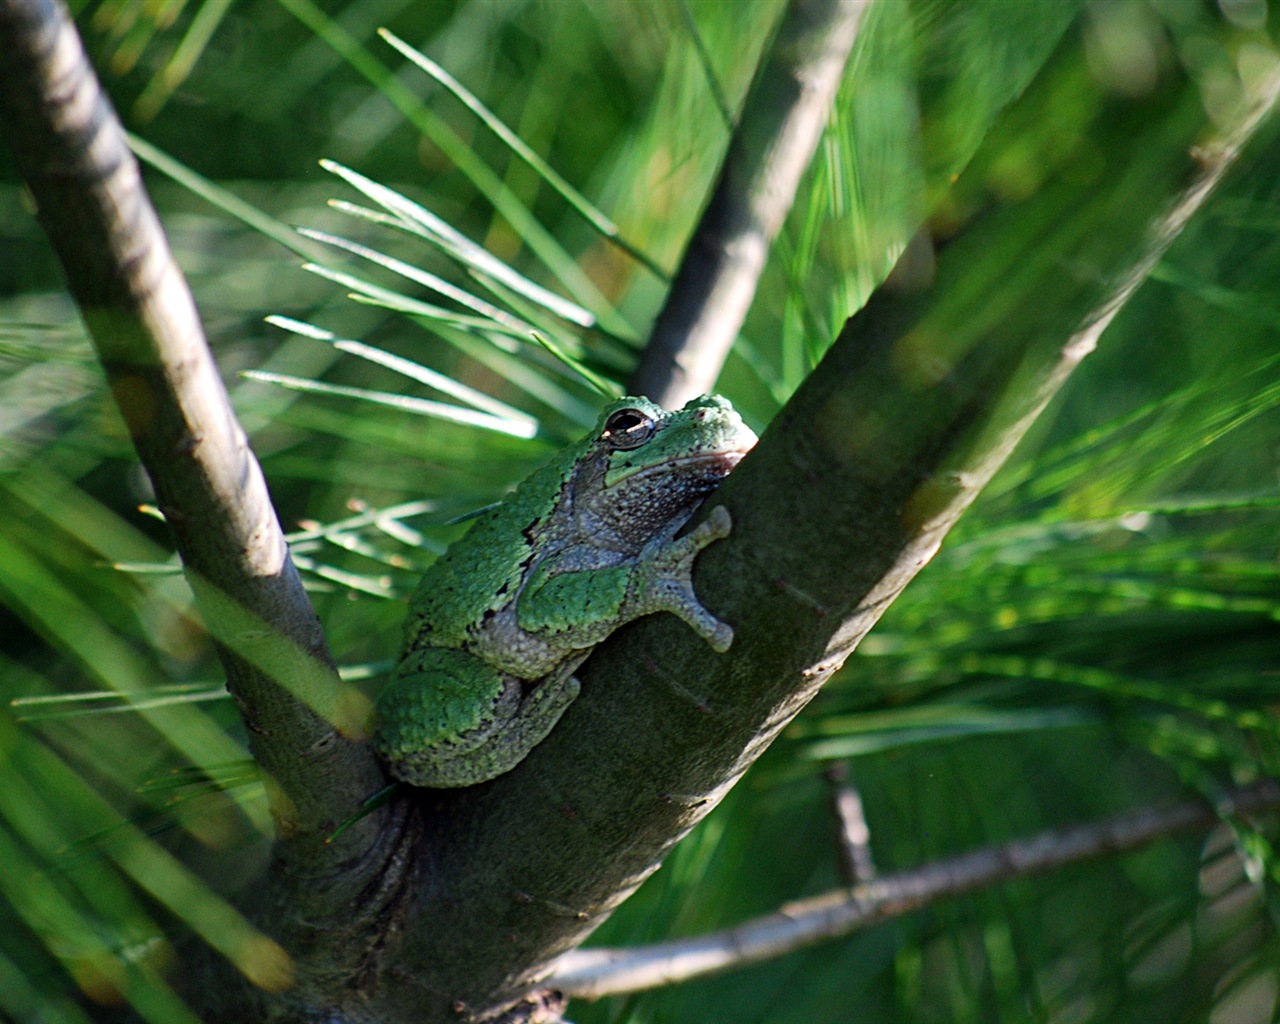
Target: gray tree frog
(502,620)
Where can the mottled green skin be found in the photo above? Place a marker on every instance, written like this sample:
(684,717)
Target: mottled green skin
(585,544)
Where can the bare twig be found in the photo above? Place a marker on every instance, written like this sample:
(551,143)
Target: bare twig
(771,147)
(853,837)
(70,149)
(593,973)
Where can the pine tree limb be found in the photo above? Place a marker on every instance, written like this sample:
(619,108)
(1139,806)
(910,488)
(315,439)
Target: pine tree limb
(305,725)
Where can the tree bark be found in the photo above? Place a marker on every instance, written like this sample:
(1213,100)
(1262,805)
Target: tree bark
(594,973)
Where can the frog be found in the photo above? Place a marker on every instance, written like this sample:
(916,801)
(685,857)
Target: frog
(499,624)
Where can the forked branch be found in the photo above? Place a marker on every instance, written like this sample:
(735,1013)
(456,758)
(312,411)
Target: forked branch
(850,491)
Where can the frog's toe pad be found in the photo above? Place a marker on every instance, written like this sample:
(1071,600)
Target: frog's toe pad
(721,638)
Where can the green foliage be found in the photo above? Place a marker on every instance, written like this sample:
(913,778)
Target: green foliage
(1099,634)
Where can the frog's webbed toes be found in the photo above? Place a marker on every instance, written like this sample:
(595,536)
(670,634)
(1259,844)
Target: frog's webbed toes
(670,579)
(675,594)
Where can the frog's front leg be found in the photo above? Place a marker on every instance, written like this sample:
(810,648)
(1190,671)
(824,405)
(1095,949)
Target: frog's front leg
(450,720)
(664,579)
(581,607)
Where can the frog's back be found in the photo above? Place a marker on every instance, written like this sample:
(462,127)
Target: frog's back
(482,570)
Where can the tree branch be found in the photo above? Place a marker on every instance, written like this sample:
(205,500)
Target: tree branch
(848,494)
(305,725)
(593,973)
(853,837)
(772,145)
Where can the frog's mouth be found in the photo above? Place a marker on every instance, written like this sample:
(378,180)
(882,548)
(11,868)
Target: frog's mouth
(703,471)
(725,461)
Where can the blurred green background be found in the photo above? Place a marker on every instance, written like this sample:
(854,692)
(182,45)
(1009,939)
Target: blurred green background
(1099,634)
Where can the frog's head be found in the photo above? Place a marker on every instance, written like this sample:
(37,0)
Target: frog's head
(658,465)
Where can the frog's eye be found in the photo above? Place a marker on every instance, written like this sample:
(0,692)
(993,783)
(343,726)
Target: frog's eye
(627,429)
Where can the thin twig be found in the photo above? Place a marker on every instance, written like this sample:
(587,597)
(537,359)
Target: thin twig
(593,973)
(853,837)
(776,137)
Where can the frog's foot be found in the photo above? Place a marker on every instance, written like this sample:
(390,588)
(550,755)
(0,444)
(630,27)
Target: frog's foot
(543,705)
(668,579)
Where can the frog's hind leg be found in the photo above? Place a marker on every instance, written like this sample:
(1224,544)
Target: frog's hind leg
(522,719)
(542,707)
(425,748)
(441,714)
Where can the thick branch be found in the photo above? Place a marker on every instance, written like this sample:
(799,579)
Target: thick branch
(70,149)
(593,973)
(847,496)
(772,145)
